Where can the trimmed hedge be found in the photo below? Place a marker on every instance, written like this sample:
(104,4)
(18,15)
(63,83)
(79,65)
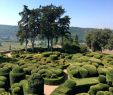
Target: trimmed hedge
(102,79)
(16,89)
(36,84)
(65,89)
(98,87)
(54,81)
(92,70)
(16,75)
(109,76)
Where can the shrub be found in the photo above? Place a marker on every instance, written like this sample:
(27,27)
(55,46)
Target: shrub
(82,94)
(16,89)
(100,93)
(71,48)
(46,54)
(54,81)
(98,87)
(111,89)
(2,84)
(4,72)
(70,84)
(102,70)
(16,75)
(92,71)
(83,48)
(109,76)
(102,79)
(36,84)
(61,90)
(83,72)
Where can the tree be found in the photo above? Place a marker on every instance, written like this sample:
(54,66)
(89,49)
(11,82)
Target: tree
(23,24)
(64,27)
(34,25)
(76,40)
(52,25)
(98,39)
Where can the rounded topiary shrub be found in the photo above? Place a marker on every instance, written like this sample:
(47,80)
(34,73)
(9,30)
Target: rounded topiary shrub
(98,87)
(70,84)
(109,75)
(16,75)
(111,89)
(16,89)
(36,84)
(100,93)
(4,72)
(102,70)
(102,79)
(83,72)
(92,70)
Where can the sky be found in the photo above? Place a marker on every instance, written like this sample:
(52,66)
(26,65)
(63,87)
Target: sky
(83,13)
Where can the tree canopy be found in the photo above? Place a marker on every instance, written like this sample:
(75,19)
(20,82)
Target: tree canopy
(48,21)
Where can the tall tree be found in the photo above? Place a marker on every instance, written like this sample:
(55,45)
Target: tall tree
(34,25)
(23,24)
(64,27)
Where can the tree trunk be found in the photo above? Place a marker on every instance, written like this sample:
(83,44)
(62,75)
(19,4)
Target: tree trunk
(62,41)
(26,42)
(32,42)
(48,42)
(51,44)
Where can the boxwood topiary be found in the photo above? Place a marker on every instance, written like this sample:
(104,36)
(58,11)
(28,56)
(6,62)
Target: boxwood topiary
(98,87)
(16,75)
(36,84)
(92,70)
(102,79)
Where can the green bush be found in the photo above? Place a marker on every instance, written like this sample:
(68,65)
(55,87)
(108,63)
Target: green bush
(111,89)
(16,89)
(54,81)
(98,87)
(46,54)
(4,72)
(83,48)
(70,84)
(83,72)
(100,93)
(92,70)
(36,84)
(16,75)
(25,87)
(82,94)
(109,76)
(102,79)
(61,90)
(102,70)
(2,84)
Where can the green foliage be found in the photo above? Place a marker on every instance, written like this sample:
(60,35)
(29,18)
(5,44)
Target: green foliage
(102,79)
(65,89)
(36,84)
(98,87)
(16,75)
(98,38)
(92,70)
(16,89)
(109,76)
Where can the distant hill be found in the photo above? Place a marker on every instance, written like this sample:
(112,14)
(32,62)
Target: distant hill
(80,32)
(8,32)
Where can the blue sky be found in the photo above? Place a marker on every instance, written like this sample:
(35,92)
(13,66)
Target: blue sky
(83,13)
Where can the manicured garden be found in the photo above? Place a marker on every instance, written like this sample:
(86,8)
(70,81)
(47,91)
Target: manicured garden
(87,73)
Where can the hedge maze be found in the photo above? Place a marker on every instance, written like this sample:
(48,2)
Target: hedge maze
(89,73)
